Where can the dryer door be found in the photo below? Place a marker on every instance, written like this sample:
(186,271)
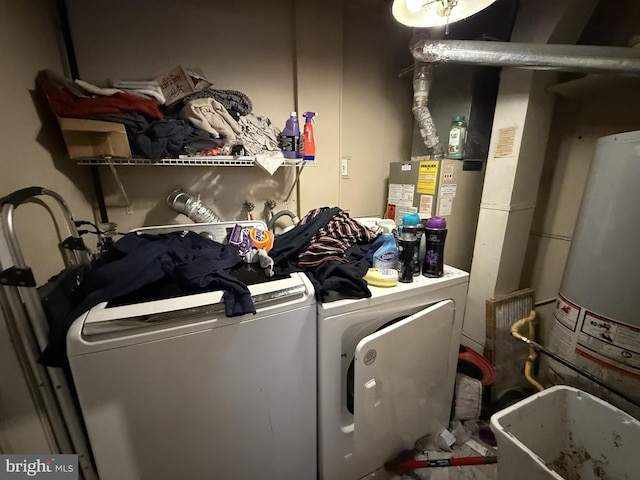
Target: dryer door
(403,381)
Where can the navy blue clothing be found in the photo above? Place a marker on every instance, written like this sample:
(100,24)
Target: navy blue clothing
(190,260)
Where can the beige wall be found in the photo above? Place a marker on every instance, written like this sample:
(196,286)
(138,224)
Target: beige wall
(377,122)
(330,56)
(586,111)
(32,150)
(32,154)
(512,178)
(334,57)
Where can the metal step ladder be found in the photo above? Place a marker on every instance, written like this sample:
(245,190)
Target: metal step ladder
(27,324)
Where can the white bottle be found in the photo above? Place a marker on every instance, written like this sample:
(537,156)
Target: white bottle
(387,255)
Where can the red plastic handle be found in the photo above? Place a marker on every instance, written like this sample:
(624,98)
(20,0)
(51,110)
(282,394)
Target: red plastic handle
(447,462)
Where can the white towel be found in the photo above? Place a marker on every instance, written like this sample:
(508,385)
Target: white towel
(95,90)
(270,161)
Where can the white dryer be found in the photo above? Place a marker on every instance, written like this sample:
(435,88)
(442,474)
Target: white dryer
(386,371)
(172,388)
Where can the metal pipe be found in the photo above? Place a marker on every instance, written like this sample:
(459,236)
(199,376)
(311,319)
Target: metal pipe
(539,348)
(568,58)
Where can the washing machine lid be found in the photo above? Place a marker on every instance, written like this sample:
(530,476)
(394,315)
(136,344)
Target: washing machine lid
(274,296)
(217,231)
(421,286)
(106,318)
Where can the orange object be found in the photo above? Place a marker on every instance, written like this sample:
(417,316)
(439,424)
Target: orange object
(261,238)
(308,141)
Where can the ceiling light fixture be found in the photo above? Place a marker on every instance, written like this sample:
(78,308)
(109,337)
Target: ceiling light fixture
(435,13)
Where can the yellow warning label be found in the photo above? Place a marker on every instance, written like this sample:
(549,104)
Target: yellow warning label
(427,177)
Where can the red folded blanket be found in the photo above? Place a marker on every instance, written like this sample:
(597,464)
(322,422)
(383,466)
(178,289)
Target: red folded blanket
(66,104)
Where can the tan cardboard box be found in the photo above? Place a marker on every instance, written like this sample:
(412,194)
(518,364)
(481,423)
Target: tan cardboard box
(179,82)
(94,138)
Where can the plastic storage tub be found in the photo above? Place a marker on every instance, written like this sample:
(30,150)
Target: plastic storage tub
(565,433)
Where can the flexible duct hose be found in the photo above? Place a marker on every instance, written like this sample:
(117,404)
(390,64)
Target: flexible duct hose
(192,207)
(422,79)
(272,222)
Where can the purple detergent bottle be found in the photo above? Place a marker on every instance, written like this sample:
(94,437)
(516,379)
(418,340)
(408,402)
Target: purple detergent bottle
(435,234)
(290,137)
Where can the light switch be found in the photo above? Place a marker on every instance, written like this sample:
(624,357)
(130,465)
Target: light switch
(344,167)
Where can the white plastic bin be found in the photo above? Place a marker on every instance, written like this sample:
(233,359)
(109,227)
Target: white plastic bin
(565,433)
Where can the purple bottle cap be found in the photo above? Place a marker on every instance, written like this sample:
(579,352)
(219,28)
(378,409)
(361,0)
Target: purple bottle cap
(437,222)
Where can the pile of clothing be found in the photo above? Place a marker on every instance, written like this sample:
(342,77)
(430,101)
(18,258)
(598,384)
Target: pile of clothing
(210,121)
(135,266)
(332,249)
(328,245)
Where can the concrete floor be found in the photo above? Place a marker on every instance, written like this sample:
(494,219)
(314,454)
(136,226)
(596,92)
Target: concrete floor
(477,472)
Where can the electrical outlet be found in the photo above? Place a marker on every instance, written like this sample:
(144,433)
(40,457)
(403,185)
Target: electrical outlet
(344,167)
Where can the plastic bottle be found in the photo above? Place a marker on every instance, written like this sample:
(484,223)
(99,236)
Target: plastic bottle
(407,254)
(308,141)
(387,255)
(290,137)
(457,138)
(435,234)
(411,229)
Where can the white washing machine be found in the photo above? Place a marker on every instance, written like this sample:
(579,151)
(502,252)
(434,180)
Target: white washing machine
(386,371)
(172,388)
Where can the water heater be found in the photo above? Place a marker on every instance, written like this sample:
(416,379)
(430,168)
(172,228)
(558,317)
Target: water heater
(596,323)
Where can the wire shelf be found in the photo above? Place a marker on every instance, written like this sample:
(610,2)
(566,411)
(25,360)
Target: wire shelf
(215,161)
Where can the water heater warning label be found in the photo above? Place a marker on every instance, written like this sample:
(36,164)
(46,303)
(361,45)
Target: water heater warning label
(611,339)
(567,313)
(605,347)
(612,332)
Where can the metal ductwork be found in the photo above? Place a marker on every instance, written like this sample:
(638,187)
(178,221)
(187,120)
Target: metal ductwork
(567,58)
(192,207)
(422,79)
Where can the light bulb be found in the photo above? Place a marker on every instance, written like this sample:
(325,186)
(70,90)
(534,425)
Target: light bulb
(434,13)
(414,5)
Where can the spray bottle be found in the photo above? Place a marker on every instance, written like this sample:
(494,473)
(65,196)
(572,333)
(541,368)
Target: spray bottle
(308,140)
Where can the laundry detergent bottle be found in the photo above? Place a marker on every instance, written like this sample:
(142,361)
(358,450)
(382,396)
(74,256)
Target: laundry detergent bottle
(386,255)
(290,137)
